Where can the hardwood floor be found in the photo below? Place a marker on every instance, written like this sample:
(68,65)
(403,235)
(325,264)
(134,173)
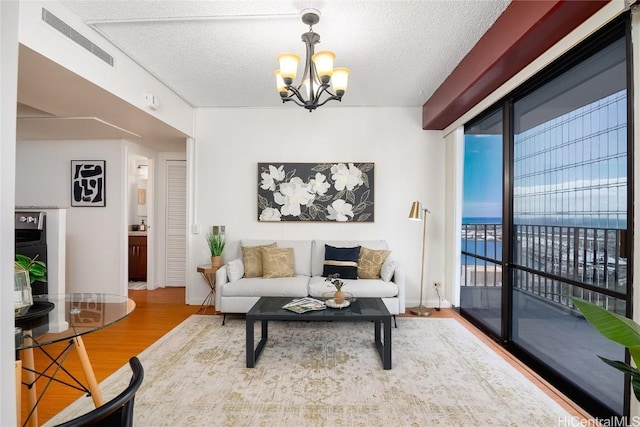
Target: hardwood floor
(156,313)
(159,311)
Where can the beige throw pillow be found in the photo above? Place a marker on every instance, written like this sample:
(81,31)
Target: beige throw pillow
(370,262)
(278,262)
(252,259)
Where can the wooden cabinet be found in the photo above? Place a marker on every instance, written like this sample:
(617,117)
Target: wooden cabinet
(138,258)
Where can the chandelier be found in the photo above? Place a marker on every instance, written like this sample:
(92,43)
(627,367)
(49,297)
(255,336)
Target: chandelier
(313,90)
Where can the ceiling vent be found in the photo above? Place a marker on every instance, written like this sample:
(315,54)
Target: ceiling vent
(78,38)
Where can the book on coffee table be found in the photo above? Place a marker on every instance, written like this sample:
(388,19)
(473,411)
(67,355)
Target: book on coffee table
(302,305)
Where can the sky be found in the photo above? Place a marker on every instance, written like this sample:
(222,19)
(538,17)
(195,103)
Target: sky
(574,166)
(482,185)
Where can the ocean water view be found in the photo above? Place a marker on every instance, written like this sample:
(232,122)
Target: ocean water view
(481,240)
(481,220)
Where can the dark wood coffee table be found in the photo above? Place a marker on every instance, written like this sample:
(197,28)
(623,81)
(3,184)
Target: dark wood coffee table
(361,309)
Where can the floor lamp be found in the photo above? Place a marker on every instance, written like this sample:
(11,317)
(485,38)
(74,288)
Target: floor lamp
(418,213)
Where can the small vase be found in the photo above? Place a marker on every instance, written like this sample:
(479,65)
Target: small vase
(338,297)
(216,261)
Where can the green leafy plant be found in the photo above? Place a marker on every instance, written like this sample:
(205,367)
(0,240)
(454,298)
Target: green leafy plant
(216,243)
(619,329)
(37,269)
(335,280)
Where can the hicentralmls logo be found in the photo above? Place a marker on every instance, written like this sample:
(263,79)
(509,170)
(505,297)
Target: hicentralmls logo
(599,422)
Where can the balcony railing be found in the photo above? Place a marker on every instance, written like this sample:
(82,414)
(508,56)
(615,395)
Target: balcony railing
(550,260)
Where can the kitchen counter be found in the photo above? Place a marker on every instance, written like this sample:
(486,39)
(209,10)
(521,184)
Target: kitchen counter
(137,233)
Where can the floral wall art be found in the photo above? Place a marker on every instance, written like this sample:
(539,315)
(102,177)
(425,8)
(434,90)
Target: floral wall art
(340,192)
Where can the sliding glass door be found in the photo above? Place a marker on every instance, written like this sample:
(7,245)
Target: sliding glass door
(482,269)
(570,218)
(562,146)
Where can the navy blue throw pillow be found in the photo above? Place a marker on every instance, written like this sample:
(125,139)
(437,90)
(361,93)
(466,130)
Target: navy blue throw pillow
(343,261)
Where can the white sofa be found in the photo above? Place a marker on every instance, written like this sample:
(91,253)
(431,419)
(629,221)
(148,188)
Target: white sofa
(240,295)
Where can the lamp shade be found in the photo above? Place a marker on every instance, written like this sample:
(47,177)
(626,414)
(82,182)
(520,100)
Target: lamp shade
(340,78)
(307,88)
(415,213)
(324,63)
(288,65)
(280,82)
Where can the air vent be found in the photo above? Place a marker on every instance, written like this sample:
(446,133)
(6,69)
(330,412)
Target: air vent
(78,38)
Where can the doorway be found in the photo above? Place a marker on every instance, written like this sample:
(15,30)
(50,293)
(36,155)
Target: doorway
(140,217)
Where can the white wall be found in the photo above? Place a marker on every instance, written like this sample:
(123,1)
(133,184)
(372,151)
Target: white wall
(409,165)
(453,201)
(95,235)
(8,98)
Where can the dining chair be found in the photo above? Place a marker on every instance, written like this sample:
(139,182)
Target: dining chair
(118,412)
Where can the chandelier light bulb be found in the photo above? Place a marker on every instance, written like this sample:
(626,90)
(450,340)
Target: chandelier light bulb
(288,66)
(340,79)
(282,88)
(324,64)
(307,88)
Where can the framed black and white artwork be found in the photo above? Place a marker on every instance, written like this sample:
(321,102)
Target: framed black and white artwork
(88,179)
(321,192)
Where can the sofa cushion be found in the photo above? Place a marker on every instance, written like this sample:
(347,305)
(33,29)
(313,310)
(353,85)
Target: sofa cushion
(235,270)
(317,250)
(387,270)
(278,262)
(370,262)
(361,288)
(252,259)
(263,287)
(341,261)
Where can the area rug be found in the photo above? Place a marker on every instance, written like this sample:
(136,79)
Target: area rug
(137,286)
(327,374)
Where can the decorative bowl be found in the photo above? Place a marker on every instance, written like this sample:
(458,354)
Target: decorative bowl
(330,302)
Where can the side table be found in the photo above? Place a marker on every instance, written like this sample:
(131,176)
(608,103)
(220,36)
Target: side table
(209,275)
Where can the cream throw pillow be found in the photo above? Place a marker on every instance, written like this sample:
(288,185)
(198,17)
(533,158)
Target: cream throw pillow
(370,262)
(278,262)
(252,259)
(388,270)
(235,270)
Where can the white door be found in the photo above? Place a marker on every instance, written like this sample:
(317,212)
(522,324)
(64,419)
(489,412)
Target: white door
(176,229)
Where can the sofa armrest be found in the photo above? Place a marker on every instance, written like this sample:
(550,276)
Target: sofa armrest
(221,279)
(399,280)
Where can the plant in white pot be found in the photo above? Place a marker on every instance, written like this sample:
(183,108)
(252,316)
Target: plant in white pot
(216,244)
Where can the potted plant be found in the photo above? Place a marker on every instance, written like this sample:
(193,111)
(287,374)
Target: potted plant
(26,271)
(619,329)
(216,244)
(37,269)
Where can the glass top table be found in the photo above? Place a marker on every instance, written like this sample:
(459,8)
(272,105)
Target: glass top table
(57,318)
(54,318)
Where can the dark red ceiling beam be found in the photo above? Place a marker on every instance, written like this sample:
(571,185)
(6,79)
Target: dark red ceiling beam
(524,31)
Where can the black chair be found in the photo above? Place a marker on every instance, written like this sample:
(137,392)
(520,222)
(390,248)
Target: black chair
(119,410)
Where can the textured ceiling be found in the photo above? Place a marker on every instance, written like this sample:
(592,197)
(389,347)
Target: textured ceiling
(223,53)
